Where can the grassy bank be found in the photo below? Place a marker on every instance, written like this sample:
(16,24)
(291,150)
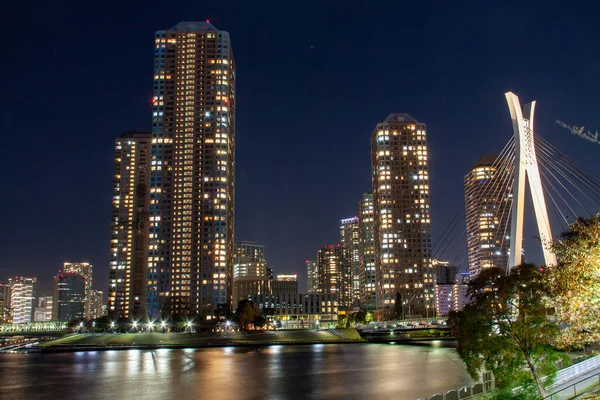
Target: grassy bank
(196,340)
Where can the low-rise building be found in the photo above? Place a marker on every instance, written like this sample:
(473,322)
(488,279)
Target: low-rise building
(300,310)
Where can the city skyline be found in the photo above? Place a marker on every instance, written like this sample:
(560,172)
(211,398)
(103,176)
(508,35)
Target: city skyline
(486,134)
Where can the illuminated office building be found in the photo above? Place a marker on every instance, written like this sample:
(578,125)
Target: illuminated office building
(190,265)
(84,269)
(367,274)
(69,296)
(487,209)
(402,216)
(22,296)
(285,284)
(350,241)
(129,228)
(249,271)
(333,274)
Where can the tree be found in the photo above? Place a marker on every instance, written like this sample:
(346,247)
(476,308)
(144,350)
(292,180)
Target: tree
(505,329)
(575,283)
(361,317)
(369,317)
(246,313)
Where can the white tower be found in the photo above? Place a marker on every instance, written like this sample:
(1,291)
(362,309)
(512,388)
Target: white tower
(526,167)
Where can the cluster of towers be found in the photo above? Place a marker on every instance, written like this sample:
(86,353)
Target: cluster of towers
(172,247)
(172,222)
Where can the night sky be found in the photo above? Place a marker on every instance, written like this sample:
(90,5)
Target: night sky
(312,83)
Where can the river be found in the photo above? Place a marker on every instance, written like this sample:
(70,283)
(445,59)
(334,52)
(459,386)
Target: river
(333,371)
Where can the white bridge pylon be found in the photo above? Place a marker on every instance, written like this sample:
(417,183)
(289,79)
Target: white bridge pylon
(526,168)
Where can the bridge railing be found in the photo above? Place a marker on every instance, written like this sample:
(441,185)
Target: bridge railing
(33,327)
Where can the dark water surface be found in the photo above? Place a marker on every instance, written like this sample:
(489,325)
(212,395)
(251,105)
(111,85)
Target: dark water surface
(351,371)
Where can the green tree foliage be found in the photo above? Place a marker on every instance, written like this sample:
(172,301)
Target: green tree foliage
(506,330)
(575,283)
(247,313)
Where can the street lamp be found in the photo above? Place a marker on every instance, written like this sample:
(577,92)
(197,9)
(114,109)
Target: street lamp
(112,326)
(135,325)
(189,325)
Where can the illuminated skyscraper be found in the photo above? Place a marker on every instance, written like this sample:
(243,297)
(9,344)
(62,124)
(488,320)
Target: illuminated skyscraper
(333,274)
(312,281)
(22,296)
(350,241)
(129,228)
(69,296)
(190,265)
(402,216)
(487,209)
(367,275)
(84,269)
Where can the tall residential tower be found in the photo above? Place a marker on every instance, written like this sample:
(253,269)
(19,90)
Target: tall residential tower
(367,274)
(350,241)
(129,233)
(402,217)
(190,255)
(488,202)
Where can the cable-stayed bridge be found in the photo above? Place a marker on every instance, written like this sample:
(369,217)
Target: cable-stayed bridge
(529,174)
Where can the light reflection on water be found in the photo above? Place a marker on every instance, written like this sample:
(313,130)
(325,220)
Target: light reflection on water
(276,372)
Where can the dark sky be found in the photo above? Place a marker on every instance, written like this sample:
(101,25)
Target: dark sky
(312,82)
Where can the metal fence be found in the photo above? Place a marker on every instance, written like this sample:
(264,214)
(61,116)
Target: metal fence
(575,389)
(466,392)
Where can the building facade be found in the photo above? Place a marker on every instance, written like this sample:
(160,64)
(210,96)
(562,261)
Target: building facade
(249,259)
(350,241)
(402,217)
(129,227)
(84,269)
(5,310)
(22,297)
(190,267)
(444,272)
(300,310)
(334,274)
(97,304)
(43,310)
(488,201)
(249,271)
(312,282)
(69,296)
(285,284)
(367,273)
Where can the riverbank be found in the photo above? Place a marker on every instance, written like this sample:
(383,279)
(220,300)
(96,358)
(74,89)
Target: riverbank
(155,340)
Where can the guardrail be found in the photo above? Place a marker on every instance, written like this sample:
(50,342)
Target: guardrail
(467,392)
(574,371)
(575,389)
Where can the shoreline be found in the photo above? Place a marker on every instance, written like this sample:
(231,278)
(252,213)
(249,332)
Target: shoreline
(76,348)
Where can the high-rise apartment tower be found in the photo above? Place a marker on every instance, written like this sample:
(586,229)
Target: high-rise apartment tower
(488,202)
(367,274)
(350,241)
(129,227)
(402,216)
(190,255)
(333,274)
